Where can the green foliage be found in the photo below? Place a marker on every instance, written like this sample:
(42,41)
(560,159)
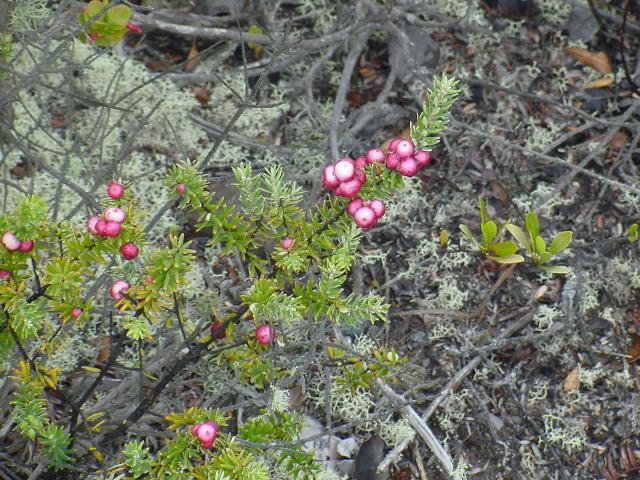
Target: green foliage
(137,458)
(499,251)
(56,445)
(25,318)
(169,266)
(107,25)
(62,276)
(536,246)
(432,121)
(632,233)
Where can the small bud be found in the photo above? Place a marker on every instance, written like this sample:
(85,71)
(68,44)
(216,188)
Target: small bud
(265,334)
(181,188)
(5,275)
(148,279)
(76,312)
(115,190)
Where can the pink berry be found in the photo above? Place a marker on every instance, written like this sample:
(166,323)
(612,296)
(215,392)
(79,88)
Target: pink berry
(329,178)
(91,224)
(93,37)
(205,432)
(26,245)
(344,169)
(216,330)
(265,334)
(375,155)
(360,175)
(129,250)
(287,243)
(361,161)
(134,28)
(114,214)
(117,288)
(349,189)
(404,148)
(112,229)
(148,279)
(408,167)
(10,241)
(422,157)
(76,312)
(393,160)
(181,188)
(354,205)
(101,225)
(5,275)
(378,207)
(394,143)
(115,190)
(365,217)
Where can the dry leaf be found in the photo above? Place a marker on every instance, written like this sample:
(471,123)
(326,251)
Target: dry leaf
(618,141)
(469,108)
(202,95)
(596,60)
(601,82)
(572,382)
(634,351)
(192,59)
(539,293)
(105,351)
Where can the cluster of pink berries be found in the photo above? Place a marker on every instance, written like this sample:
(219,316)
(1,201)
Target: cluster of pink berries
(12,243)
(346,177)
(109,224)
(206,432)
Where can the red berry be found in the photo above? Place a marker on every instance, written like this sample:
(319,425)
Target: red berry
(93,37)
(378,207)
(117,288)
(287,243)
(111,229)
(10,241)
(5,275)
(361,161)
(217,331)
(394,143)
(76,312)
(404,148)
(180,188)
(205,432)
(329,178)
(134,28)
(100,227)
(360,176)
(26,245)
(375,155)
(422,157)
(265,334)
(354,205)
(129,250)
(408,167)
(365,217)
(91,224)
(349,189)
(393,160)
(114,214)
(344,169)
(115,190)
